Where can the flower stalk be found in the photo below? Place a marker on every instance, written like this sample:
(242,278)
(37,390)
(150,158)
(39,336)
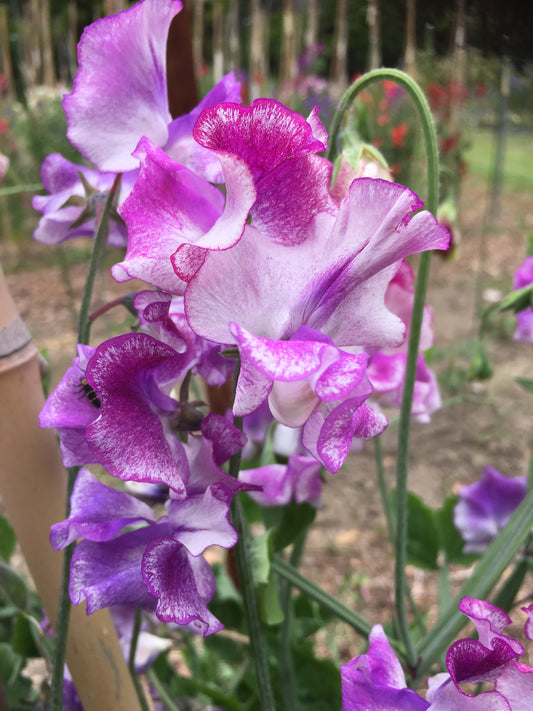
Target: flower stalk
(430,140)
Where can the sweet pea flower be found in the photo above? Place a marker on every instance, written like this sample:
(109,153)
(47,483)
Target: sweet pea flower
(387,366)
(299,479)
(158,564)
(188,215)
(120,93)
(72,205)
(524,319)
(118,412)
(261,293)
(484,507)
(310,383)
(375,681)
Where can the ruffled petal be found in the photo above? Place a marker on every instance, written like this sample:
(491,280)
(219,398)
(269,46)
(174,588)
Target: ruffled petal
(120,91)
(183,585)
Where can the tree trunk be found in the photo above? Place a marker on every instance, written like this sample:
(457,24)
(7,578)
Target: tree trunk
(288,66)
(233,58)
(374,28)
(113,7)
(198,36)
(410,39)
(72,39)
(258,64)
(49,75)
(339,66)
(218,42)
(31,48)
(181,79)
(5,56)
(458,66)
(311,31)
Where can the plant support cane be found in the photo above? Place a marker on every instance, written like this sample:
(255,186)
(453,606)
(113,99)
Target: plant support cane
(32,488)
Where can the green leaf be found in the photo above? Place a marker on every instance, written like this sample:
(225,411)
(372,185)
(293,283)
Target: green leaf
(450,540)
(8,540)
(422,536)
(13,587)
(295,519)
(10,663)
(517,300)
(270,611)
(526,383)
(25,637)
(506,595)
(261,554)
(317,681)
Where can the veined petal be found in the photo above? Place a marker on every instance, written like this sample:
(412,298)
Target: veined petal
(132,435)
(276,145)
(183,585)
(120,91)
(168,206)
(98,512)
(181,145)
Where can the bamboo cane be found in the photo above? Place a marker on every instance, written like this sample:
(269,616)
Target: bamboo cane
(33,486)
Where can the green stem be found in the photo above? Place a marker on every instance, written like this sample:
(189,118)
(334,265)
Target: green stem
(131,658)
(243,562)
(324,599)
(161,691)
(63,611)
(286,667)
(430,141)
(383,490)
(94,262)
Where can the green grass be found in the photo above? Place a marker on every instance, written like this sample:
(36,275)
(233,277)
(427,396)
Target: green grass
(518,167)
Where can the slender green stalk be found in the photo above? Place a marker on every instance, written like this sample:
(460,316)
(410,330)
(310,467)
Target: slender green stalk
(94,262)
(243,562)
(131,658)
(430,140)
(383,490)
(327,601)
(162,691)
(286,667)
(486,574)
(15,189)
(63,612)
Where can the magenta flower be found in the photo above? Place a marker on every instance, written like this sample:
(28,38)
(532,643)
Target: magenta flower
(375,681)
(524,319)
(188,215)
(484,507)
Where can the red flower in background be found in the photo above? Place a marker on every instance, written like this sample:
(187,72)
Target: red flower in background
(398,134)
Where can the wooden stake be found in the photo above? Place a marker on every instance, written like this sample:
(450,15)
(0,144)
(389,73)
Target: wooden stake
(32,487)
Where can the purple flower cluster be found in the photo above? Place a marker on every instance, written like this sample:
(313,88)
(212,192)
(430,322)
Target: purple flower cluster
(375,681)
(309,285)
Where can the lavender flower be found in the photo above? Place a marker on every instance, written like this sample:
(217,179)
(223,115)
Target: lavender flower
(484,507)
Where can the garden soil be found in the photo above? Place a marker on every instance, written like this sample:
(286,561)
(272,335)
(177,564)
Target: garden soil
(482,423)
